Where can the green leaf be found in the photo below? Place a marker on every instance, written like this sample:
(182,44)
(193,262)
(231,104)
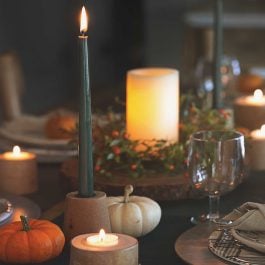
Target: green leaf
(115,142)
(110,156)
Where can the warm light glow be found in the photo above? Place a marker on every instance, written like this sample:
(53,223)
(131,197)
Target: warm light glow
(152,104)
(258,94)
(83,20)
(102,239)
(17,154)
(262,129)
(16,150)
(258,134)
(257,99)
(102,235)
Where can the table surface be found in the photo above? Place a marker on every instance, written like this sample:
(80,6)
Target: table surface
(157,247)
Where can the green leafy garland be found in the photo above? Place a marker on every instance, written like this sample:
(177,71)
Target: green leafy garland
(115,153)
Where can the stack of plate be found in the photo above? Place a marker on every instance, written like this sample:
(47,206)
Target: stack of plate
(28,132)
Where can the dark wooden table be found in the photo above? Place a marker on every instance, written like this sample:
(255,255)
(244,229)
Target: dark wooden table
(157,247)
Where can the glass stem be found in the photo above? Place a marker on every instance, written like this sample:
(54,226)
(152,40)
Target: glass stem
(214,202)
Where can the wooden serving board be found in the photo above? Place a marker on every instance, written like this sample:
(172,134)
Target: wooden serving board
(192,246)
(160,188)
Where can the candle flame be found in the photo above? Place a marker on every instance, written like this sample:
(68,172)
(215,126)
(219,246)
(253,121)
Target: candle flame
(102,235)
(262,129)
(258,94)
(16,150)
(83,20)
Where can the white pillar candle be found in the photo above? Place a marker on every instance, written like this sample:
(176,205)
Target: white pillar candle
(152,104)
(110,249)
(18,172)
(249,111)
(256,149)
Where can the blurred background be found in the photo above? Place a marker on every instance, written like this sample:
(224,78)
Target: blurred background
(124,35)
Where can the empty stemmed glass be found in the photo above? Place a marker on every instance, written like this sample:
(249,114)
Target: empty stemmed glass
(216,165)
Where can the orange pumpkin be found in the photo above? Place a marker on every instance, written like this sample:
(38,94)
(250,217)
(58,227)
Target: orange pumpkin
(30,242)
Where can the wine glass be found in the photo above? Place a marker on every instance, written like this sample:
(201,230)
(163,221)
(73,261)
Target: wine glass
(216,165)
(230,69)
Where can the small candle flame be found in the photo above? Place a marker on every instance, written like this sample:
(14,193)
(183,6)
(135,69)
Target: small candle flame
(16,150)
(102,235)
(83,21)
(258,94)
(262,129)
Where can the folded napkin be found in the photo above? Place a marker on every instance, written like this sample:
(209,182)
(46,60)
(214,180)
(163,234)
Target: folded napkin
(247,225)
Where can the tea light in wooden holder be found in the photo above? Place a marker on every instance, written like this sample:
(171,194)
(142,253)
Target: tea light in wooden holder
(256,149)
(104,249)
(18,172)
(249,111)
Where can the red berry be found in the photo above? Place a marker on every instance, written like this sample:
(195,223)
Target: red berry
(115,134)
(97,168)
(171,167)
(133,167)
(126,136)
(116,150)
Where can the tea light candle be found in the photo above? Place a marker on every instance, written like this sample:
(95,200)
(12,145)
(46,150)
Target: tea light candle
(16,154)
(249,111)
(102,239)
(256,149)
(18,172)
(104,249)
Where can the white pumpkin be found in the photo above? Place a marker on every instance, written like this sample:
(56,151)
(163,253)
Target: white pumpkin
(133,215)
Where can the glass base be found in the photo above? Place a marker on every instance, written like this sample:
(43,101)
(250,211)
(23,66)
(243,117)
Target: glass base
(204,218)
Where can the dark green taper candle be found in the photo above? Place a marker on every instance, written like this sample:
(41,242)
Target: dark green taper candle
(85,174)
(218,53)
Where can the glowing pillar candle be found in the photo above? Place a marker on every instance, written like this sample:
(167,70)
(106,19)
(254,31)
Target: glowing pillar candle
(249,111)
(86,178)
(104,249)
(18,172)
(152,104)
(256,149)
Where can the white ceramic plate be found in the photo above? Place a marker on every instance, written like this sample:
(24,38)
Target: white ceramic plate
(29,130)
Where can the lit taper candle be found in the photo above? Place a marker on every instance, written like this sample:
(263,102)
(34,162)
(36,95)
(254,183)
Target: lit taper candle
(86,178)
(218,52)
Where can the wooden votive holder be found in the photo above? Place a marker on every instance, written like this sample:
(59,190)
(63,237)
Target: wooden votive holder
(18,173)
(85,215)
(249,113)
(256,149)
(125,252)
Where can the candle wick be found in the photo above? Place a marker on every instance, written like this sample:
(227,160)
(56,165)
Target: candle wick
(83,33)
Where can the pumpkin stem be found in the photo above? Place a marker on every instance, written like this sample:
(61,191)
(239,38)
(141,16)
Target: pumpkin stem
(25,223)
(127,191)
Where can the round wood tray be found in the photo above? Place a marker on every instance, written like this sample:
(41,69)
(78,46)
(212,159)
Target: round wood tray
(159,188)
(192,246)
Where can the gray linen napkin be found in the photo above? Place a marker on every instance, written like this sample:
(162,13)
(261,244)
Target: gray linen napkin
(248,225)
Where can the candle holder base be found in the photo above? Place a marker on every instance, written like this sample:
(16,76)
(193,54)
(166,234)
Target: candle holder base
(85,215)
(124,253)
(18,177)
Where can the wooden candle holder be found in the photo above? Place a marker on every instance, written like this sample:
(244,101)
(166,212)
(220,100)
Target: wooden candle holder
(124,253)
(256,154)
(85,215)
(248,116)
(18,177)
